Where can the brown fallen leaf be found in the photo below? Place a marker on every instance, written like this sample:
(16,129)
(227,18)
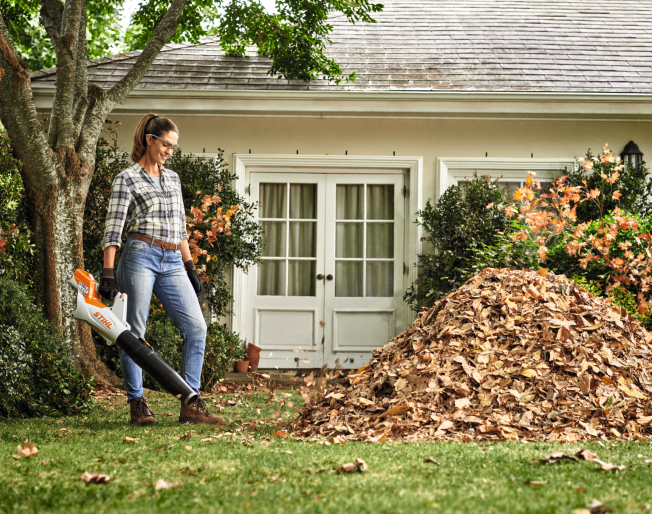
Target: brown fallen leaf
(162,484)
(352,467)
(188,448)
(536,483)
(96,478)
(586,455)
(45,463)
(27,449)
(186,437)
(557,456)
(430,459)
(17,457)
(397,410)
(281,435)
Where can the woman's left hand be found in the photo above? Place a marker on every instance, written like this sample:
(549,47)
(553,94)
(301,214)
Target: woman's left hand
(194,277)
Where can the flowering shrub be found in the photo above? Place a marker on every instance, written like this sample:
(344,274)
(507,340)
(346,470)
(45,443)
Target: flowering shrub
(616,246)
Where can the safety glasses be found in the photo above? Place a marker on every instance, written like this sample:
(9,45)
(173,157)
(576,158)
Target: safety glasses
(166,144)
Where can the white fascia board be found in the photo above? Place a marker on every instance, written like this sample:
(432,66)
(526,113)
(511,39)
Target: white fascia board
(386,104)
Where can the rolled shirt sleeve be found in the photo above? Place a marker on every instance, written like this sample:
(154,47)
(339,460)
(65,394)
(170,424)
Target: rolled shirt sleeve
(116,213)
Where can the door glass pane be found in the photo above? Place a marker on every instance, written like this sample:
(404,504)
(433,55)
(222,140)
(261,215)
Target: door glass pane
(303,201)
(380,202)
(349,239)
(303,239)
(349,202)
(271,278)
(380,278)
(380,240)
(348,278)
(273,200)
(302,278)
(274,237)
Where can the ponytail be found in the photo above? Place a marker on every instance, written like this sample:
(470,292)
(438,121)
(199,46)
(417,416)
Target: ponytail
(150,124)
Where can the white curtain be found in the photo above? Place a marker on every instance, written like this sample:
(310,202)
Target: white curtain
(364,245)
(298,275)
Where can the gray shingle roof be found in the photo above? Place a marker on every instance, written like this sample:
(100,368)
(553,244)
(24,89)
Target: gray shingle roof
(439,45)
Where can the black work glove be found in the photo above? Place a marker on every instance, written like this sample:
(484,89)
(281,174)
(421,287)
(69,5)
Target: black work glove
(108,286)
(194,277)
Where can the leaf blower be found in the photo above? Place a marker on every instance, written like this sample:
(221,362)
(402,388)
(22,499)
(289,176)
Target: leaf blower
(111,324)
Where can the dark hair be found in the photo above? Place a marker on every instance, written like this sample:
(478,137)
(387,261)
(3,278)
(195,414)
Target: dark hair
(150,124)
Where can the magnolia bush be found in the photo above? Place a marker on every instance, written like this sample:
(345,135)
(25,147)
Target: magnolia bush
(616,246)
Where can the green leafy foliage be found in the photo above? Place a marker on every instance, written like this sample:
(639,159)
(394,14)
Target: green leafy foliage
(222,348)
(454,224)
(32,42)
(634,183)
(295,37)
(505,252)
(36,370)
(17,252)
(620,297)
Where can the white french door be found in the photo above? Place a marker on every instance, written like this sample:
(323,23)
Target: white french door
(329,289)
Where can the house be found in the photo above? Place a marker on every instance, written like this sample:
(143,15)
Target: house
(444,88)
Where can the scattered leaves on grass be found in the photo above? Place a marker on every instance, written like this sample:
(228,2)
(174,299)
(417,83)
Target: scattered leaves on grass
(596,507)
(162,484)
(96,478)
(26,450)
(186,437)
(352,467)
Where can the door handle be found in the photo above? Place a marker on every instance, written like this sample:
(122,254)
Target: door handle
(320,277)
(329,277)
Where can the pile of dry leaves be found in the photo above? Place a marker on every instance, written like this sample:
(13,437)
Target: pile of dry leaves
(509,355)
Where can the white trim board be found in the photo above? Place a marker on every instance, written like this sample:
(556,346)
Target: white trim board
(332,164)
(377,104)
(449,167)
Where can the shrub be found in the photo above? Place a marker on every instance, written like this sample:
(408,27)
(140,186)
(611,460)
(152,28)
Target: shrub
(222,348)
(36,369)
(17,253)
(453,224)
(634,183)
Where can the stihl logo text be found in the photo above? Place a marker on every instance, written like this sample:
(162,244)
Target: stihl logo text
(103,320)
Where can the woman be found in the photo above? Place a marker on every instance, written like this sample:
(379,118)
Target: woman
(147,197)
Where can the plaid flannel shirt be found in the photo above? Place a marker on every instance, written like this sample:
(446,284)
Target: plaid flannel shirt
(138,202)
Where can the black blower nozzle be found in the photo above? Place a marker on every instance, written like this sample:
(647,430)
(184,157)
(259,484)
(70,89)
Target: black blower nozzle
(145,357)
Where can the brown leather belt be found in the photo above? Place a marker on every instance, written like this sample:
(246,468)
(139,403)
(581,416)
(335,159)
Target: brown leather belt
(155,242)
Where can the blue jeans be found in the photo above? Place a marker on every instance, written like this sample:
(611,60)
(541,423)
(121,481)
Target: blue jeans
(143,269)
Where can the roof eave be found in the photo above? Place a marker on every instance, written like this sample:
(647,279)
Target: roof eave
(386,104)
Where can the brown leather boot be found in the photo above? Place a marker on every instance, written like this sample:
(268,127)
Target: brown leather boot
(197,413)
(140,413)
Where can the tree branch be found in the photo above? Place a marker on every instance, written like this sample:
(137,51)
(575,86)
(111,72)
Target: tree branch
(103,102)
(65,47)
(19,117)
(165,31)
(81,101)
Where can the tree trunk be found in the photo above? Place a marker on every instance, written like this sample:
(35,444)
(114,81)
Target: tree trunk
(57,221)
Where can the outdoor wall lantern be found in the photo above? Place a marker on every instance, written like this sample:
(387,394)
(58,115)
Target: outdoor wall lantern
(631,154)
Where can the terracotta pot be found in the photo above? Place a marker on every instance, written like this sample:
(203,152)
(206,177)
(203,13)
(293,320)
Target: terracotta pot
(240,366)
(253,356)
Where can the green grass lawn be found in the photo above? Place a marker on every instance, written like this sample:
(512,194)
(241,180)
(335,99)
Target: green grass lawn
(251,470)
